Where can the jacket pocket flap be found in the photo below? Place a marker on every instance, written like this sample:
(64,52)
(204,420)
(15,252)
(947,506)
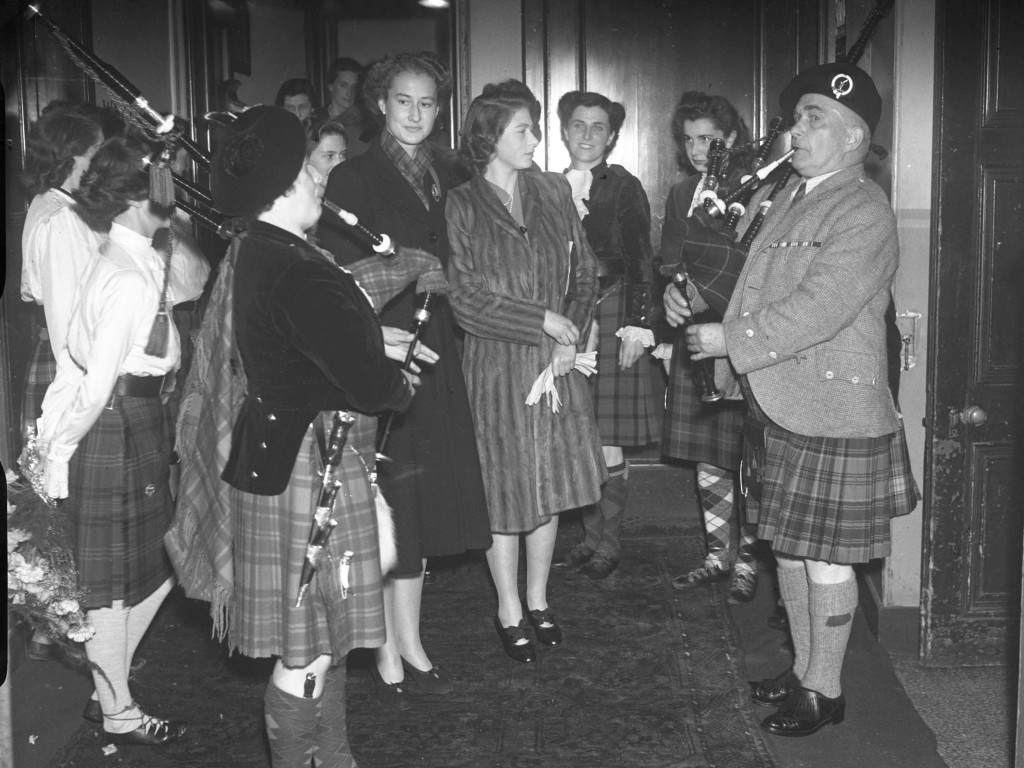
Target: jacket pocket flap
(852,367)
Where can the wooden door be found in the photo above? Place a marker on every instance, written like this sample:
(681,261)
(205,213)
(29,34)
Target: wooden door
(975,458)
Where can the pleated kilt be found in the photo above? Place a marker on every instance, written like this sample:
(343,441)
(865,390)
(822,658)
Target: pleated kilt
(695,430)
(271,533)
(627,404)
(831,499)
(42,370)
(119,502)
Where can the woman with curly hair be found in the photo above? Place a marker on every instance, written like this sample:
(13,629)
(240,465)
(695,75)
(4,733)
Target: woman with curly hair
(523,283)
(617,219)
(708,433)
(104,434)
(399,186)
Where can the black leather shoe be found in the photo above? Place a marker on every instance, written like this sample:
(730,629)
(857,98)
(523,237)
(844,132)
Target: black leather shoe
(700,577)
(576,557)
(805,712)
(550,634)
(393,695)
(152,733)
(431,681)
(600,566)
(43,651)
(92,711)
(522,652)
(771,692)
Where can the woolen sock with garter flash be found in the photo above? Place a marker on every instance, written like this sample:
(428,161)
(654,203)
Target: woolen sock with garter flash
(332,747)
(292,723)
(612,508)
(794,590)
(831,613)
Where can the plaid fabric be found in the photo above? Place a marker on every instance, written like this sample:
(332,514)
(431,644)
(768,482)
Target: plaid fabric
(831,499)
(712,261)
(119,502)
(270,539)
(42,370)
(695,430)
(626,403)
(413,169)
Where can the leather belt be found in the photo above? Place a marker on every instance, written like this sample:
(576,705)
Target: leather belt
(130,385)
(611,267)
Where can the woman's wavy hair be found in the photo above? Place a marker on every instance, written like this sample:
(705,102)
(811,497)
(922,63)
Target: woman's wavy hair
(117,174)
(297,86)
(694,105)
(65,130)
(615,111)
(487,118)
(382,73)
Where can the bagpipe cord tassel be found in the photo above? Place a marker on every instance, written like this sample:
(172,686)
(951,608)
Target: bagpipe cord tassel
(160,332)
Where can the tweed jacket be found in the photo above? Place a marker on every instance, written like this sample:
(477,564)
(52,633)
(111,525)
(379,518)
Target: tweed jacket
(806,320)
(619,230)
(503,279)
(309,341)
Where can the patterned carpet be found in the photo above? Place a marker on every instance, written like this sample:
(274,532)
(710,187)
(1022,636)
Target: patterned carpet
(645,679)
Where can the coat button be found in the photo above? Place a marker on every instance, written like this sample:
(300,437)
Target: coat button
(259,399)
(829,375)
(750,331)
(263,446)
(855,379)
(773,355)
(254,474)
(150,489)
(746,314)
(432,237)
(271,417)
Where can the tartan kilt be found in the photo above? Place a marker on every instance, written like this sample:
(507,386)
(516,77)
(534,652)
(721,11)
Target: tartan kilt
(627,404)
(831,499)
(119,503)
(695,430)
(271,533)
(42,370)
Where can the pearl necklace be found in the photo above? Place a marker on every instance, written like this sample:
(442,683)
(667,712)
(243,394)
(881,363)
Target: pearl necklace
(508,203)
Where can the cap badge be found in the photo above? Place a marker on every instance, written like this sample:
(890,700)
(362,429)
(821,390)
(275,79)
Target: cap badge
(842,85)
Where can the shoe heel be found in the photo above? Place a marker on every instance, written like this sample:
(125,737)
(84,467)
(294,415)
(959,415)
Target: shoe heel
(838,716)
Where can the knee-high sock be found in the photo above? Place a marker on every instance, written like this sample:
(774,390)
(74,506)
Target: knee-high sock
(715,486)
(794,590)
(107,650)
(140,616)
(291,727)
(745,556)
(332,747)
(612,509)
(831,612)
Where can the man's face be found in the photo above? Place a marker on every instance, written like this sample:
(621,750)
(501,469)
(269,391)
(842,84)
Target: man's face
(822,135)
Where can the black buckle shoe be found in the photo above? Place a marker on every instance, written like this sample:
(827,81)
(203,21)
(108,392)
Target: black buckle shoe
(805,712)
(699,577)
(153,732)
(521,652)
(771,692)
(549,635)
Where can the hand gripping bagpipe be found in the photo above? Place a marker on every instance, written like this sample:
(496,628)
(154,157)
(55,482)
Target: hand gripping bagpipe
(712,257)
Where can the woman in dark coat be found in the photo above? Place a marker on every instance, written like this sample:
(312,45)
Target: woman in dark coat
(708,433)
(523,284)
(433,482)
(627,397)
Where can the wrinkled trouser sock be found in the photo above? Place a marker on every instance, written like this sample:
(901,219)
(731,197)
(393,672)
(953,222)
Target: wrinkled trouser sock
(602,522)
(715,486)
(831,608)
(794,590)
(332,747)
(291,723)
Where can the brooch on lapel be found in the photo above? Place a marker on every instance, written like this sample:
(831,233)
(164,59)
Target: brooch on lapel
(435,192)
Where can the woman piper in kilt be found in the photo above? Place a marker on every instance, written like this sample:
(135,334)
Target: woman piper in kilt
(627,398)
(707,433)
(104,436)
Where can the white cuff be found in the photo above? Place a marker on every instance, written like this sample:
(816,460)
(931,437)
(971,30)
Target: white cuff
(644,335)
(662,352)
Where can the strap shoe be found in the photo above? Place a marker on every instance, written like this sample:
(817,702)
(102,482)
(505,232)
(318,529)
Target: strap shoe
(510,637)
(551,634)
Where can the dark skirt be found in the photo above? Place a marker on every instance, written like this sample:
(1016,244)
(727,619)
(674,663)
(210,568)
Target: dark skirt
(42,370)
(119,502)
(831,499)
(433,481)
(695,430)
(271,533)
(627,404)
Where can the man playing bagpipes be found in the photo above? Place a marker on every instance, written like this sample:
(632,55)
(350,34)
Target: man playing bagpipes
(804,331)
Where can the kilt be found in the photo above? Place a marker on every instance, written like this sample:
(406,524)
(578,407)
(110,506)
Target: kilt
(119,503)
(271,533)
(831,499)
(42,370)
(627,404)
(695,430)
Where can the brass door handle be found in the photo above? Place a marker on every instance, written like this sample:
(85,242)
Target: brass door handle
(973,416)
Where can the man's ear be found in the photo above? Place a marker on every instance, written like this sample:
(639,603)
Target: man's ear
(855,135)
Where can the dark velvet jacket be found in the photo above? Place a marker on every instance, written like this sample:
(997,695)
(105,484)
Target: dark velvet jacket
(309,341)
(618,228)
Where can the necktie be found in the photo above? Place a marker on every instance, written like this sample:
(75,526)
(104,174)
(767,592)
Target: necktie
(800,192)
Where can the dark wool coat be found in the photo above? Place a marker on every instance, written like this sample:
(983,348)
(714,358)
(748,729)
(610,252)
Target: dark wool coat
(503,280)
(310,342)
(433,480)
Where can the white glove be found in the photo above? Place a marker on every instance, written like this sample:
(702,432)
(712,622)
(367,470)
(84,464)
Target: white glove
(586,363)
(55,479)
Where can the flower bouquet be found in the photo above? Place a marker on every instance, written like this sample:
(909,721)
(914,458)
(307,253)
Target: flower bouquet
(42,583)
